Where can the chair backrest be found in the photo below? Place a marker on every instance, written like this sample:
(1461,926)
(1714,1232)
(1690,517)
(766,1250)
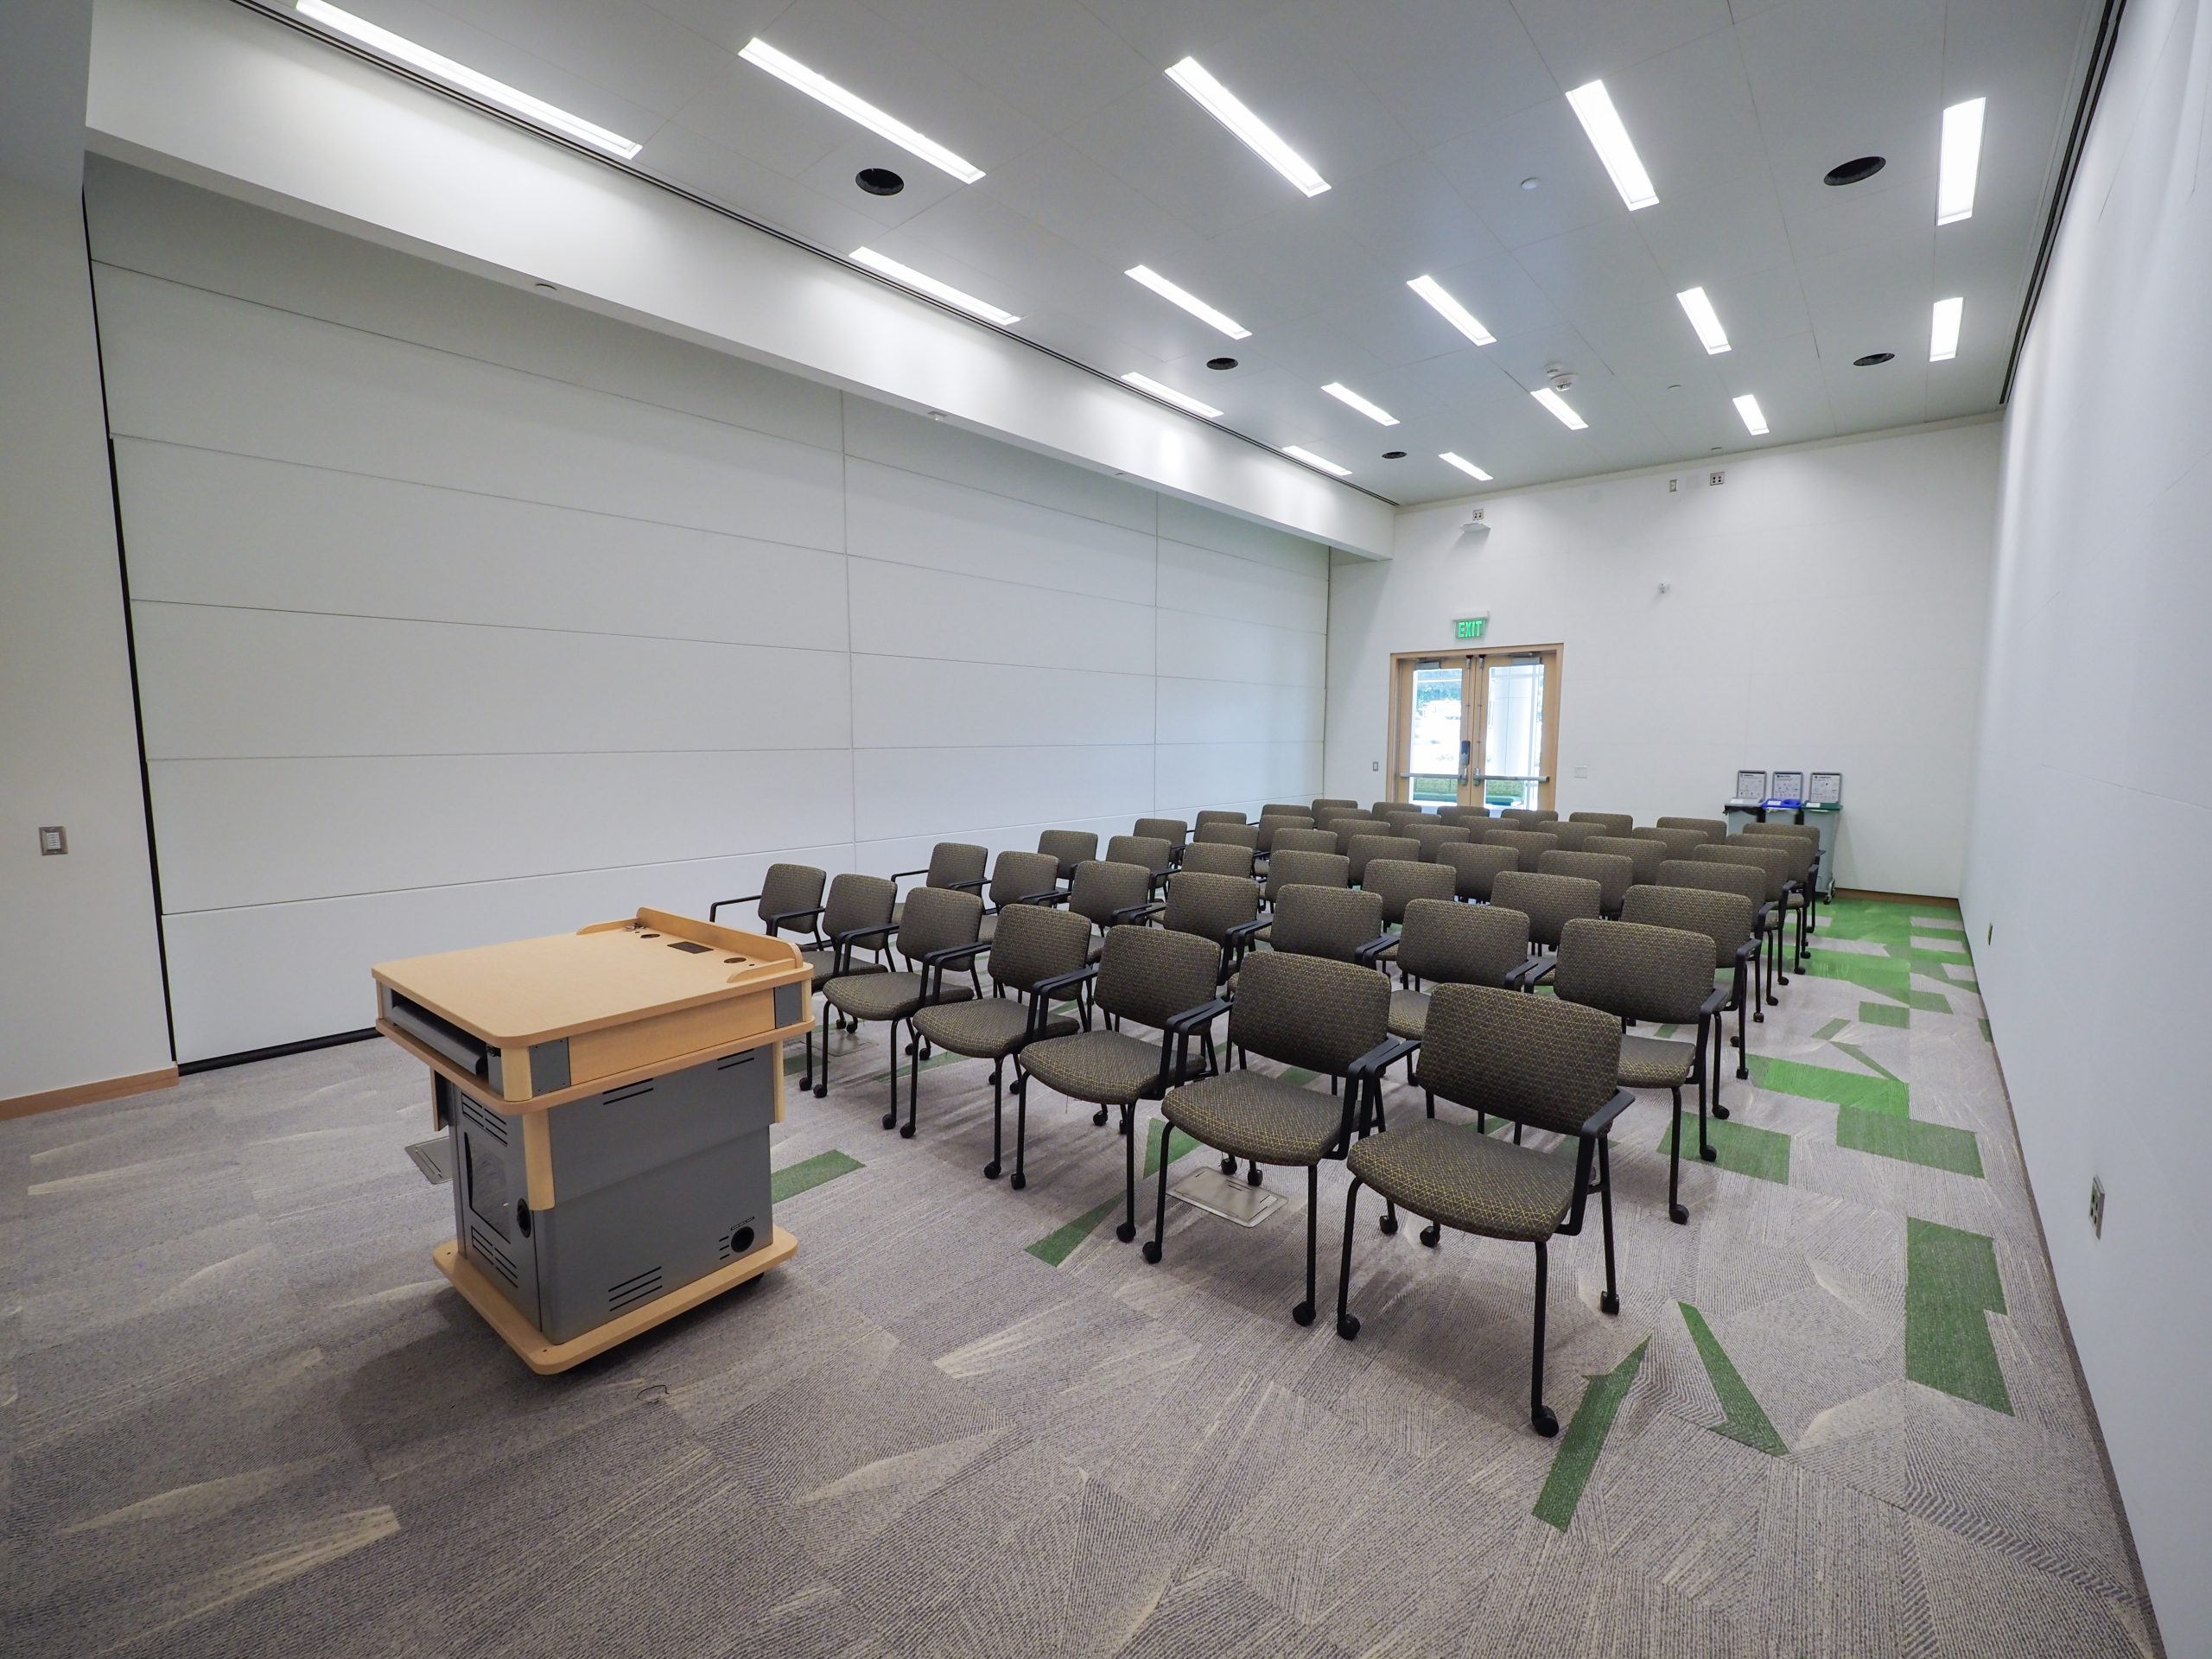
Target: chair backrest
(1382,809)
(1635,971)
(1209,905)
(1274,823)
(1528,843)
(1223,834)
(1677,842)
(1618,822)
(1308,1012)
(1393,810)
(1300,869)
(1174,831)
(1571,834)
(1150,851)
(788,887)
(1779,862)
(1218,858)
(1529,817)
(1069,848)
(1453,944)
(1549,902)
(1747,881)
(1365,849)
(1716,828)
(1018,876)
(1286,809)
(1345,829)
(1614,874)
(1646,855)
(1806,848)
(1430,836)
(1303,840)
(1474,865)
(1324,818)
(936,918)
(1724,918)
(1399,881)
(1150,974)
(1332,922)
(1802,831)
(1035,943)
(1534,1059)
(857,901)
(1098,889)
(1216,815)
(953,862)
(1320,801)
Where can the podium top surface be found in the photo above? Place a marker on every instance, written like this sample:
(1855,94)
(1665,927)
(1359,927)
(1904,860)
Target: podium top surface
(533,990)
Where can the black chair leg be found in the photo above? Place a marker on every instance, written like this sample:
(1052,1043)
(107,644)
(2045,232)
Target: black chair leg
(891,1044)
(998,1120)
(806,1077)
(1719,1025)
(1347,1326)
(1020,1128)
(1675,1208)
(1540,1416)
(913,1087)
(1304,1312)
(1430,1095)
(821,1078)
(1705,1148)
(1160,1216)
(1128,1230)
(1610,1301)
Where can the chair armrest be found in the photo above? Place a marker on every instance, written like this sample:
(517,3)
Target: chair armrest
(1759,915)
(1532,973)
(1244,932)
(1365,955)
(1059,982)
(1195,1019)
(1382,1057)
(1746,952)
(783,917)
(1050,896)
(748,899)
(901,875)
(1715,1003)
(1135,912)
(953,953)
(1601,1120)
(976,886)
(853,935)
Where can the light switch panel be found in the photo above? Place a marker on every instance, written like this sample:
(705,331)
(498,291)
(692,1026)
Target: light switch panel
(53,839)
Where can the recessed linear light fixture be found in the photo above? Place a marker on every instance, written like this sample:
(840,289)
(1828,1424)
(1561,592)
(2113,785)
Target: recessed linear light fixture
(1754,421)
(1190,302)
(884,264)
(1452,311)
(1169,395)
(1218,101)
(1705,319)
(469,80)
(1960,161)
(1558,405)
(853,107)
(1943,330)
(1374,412)
(1311,459)
(1465,466)
(1593,107)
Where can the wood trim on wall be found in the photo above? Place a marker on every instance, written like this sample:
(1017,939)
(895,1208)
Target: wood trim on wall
(82,1094)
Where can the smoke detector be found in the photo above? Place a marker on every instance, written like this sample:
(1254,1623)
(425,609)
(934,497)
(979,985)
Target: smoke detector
(1558,377)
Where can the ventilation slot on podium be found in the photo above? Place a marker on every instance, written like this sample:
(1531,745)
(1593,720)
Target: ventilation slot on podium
(484,1119)
(487,1251)
(641,1288)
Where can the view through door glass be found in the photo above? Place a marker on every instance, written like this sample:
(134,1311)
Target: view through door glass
(1436,733)
(1513,735)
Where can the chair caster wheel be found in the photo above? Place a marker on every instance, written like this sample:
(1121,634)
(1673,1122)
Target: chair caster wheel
(991,1170)
(1152,1251)
(1098,1120)
(1018,1181)
(1708,1154)
(1229,1166)
(1303,1312)
(1742,1074)
(905,1131)
(1543,1422)
(1126,1232)
(822,1092)
(891,1120)
(1431,1236)
(1720,1111)
(1388,1224)
(1347,1325)
(1252,1175)
(1679,1213)
(1608,1303)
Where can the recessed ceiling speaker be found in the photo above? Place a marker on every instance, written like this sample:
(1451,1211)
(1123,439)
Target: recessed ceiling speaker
(1856,170)
(1394,455)
(1221,362)
(1871,359)
(882,182)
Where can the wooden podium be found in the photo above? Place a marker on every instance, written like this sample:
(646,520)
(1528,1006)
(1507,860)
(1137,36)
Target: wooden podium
(609,1096)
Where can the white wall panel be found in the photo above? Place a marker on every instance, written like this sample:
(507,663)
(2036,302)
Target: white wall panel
(916,703)
(1237,772)
(899,609)
(1222,584)
(1226,711)
(915,443)
(931,792)
(1218,648)
(905,517)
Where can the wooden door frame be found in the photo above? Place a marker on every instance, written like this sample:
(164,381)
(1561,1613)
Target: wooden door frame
(1397,788)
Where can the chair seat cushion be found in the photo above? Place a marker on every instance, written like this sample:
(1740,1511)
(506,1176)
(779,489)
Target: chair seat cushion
(1255,1115)
(1650,1063)
(1408,1014)
(1108,1067)
(984,1028)
(823,961)
(1456,1175)
(885,996)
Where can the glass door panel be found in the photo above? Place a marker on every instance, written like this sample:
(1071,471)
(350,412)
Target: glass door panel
(1513,770)
(1437,733)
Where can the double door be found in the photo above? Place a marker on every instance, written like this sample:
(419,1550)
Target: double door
(1477,729)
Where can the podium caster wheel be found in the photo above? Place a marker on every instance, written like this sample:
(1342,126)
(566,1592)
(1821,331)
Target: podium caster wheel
(1543,1422)
(1303,1312)
(1348,1326)
(1152,1251)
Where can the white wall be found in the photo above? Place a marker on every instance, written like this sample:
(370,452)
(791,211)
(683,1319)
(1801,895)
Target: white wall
(1826,614)
(2086,897)
(463,615)
(80,985)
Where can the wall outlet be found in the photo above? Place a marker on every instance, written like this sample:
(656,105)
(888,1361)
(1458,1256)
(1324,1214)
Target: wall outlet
(2096,1206)
(1375,766)
(1673,487)
(1477,517)
(53,839)
(1718,480)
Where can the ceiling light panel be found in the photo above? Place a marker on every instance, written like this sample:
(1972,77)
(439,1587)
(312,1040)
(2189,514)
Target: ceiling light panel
(1961,162)
(1465,466)
(1593,107)
(1943,329)
(1175,294)
(921,283)
(1227,108)
(1311,459)
(1374,412)
(1754,421)
(1452,311)
(853,107)
(1169,395)
(536,109)
(1558,405)
(1704,318)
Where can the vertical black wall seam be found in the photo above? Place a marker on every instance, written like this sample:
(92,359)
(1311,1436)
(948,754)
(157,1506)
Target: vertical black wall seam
(129,636)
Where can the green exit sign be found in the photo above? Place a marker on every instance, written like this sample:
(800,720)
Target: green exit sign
(1470,627)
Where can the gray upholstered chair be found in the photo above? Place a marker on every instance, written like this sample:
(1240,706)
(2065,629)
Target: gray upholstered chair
(1806,839)
(1151,851)
(1316,840)
(1147,977)
(856,917)
(1303,1011)
(1529,844)
(1729,920)
(790,896)
(1287,810)
(1219,834)
(1677,842)
(958,864)
(1316,921)
(1020,878)
(1779,863)
(1445,942)
(1475,865)
(1399,882)
(1218,858)
(1619,823)
(1212,906)
(1346,828)
(1613,874)
(1324,818)
(1272,824)
(1289,869)
(1463,813)
(1571,834)
(1715,828)
(1645,857)
(1320,801)
(1035,947)
(1108,896)
(1430,836)
(1529,817)
(939,931)
(1216,815)
(1633,971)
(1365,849)
(1174,831)
(1747,883)
(1549,902)
(1401,813)
(1068,848)
(1536,1061)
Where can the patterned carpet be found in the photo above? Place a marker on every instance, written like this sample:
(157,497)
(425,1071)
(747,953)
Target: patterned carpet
(240,1412)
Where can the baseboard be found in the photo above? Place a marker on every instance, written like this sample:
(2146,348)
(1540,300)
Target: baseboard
(80,1093)
(1896,897)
